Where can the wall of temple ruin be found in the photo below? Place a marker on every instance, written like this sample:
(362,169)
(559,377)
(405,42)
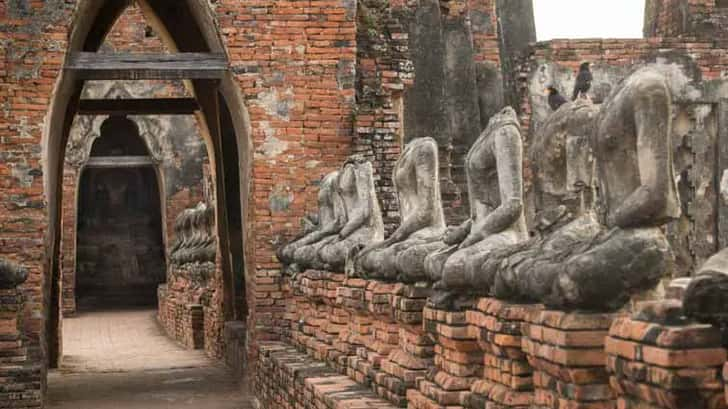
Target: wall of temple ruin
(320,82)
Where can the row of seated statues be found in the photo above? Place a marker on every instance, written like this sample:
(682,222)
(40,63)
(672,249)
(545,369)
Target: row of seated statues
(195,240)
(603,183)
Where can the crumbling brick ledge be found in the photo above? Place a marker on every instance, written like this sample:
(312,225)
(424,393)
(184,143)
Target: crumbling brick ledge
(286,378)
(354,343)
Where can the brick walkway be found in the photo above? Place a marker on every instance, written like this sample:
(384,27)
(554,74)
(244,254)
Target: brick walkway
(121,360)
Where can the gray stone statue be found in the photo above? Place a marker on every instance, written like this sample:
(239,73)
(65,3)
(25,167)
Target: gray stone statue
(562,177)
(303,252)
(11,275)
(416,179)
(598,261)
(495,177)
(196,242)
(706,296)
(364,223)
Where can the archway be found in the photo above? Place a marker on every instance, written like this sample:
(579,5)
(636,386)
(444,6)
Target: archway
(120,253)
(187,28)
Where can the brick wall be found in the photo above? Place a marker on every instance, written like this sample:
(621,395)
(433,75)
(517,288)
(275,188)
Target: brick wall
(293,63)
(33,37)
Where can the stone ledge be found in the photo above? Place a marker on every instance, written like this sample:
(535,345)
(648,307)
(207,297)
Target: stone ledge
(286,378)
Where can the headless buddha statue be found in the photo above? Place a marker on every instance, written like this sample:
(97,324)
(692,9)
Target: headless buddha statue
(597,262)
(494,176)
(416,180)
(562,175)
(303,252)
(364,218)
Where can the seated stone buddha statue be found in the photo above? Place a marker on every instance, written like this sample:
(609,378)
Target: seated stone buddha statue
(416,180)
(598,261)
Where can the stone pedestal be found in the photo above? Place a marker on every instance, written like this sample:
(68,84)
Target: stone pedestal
(653,365)
(566,351)
(373,333)
(190,307)
(316,320)
(413,356)
(458,362)
(507,377)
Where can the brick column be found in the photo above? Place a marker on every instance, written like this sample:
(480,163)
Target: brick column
(316,320)
(373,332)
(653,365)
(508,377)
(566,351)
(458,362)
(413,356)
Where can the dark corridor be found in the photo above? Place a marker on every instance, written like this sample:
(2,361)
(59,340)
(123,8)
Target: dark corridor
(120,251)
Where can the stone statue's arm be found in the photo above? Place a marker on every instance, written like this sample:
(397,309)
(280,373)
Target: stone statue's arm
(651,115)
(338,217)
(360,215)
(509,159)
(426,170)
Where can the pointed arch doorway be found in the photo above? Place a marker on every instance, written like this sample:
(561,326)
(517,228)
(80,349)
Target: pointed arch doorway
(188,29)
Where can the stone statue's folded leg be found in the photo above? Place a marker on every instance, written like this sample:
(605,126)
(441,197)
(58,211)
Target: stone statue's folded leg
(308,255)
(463,270)
(621,264)
(334,254)
(381,264)
(435,262)
(411,261)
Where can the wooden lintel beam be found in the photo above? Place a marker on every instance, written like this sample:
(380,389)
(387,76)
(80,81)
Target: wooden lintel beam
(127,66)
(119,161)
(145,106)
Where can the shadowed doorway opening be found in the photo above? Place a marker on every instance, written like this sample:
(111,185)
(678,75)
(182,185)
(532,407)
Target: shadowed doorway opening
(120,259)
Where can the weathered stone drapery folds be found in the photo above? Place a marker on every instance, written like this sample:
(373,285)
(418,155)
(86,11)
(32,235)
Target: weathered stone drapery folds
(417,182)
(600,259)
(494,175)
(331,218)
(195,240)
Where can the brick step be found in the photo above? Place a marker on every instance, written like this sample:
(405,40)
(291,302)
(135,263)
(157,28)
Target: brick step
(285,375)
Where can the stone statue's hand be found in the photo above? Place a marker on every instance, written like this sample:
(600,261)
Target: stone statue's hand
(637,209)
(454,235)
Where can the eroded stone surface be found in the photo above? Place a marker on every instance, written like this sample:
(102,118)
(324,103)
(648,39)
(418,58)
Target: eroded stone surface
(416,178)
(599,260)
(494,171)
